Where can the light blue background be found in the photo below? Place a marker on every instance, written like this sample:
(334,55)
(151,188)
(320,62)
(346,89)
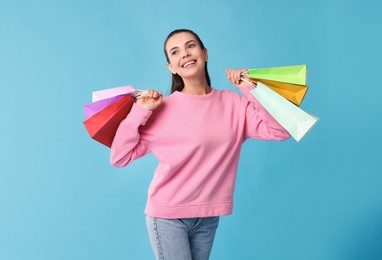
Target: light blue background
(319,199)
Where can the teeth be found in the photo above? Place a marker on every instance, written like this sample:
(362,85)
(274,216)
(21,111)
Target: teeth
(188,64)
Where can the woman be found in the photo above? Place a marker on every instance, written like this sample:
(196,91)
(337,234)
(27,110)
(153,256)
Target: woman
(196,133)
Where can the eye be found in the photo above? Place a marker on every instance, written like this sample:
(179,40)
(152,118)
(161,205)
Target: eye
(174,52)
(191,45)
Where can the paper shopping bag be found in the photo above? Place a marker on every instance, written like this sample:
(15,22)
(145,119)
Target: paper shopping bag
(294,93)
(288,74)
(111,92)
(103,125)
(295,120)
(94,107)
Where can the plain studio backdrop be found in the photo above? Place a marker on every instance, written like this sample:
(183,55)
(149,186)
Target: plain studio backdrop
(319,199)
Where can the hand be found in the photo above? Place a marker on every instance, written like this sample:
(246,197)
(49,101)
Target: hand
(151,100)
(234,75)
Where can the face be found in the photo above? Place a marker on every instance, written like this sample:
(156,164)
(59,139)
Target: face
(186,57)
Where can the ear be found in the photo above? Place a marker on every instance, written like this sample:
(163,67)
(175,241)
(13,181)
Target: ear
(205,54)
(170,68)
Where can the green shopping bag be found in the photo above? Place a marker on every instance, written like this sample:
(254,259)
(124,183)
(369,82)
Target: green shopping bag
(289,74)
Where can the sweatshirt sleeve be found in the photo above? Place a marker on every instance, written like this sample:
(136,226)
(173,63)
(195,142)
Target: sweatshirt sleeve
(259,124)
(129,144)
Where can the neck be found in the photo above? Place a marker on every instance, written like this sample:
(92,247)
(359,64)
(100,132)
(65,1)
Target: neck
(196,87)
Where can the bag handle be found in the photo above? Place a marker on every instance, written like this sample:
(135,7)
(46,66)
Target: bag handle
(247,81)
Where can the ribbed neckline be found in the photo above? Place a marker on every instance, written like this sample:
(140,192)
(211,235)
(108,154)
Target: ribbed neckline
(195,97)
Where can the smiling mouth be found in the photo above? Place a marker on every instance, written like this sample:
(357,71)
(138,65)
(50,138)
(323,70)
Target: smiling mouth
(187,64)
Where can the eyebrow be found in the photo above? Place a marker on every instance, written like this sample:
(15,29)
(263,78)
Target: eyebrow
(176,47)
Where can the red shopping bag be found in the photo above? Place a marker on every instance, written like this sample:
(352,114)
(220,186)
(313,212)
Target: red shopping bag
(103,125)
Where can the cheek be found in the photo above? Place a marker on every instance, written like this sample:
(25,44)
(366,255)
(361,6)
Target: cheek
(172,67)
(174,62)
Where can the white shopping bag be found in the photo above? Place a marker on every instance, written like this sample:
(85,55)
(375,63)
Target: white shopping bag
(295,120)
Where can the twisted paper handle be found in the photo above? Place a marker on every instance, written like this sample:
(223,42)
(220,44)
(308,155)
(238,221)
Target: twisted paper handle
(247,81)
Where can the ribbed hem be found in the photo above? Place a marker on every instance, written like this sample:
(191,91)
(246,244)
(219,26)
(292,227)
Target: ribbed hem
(187,211)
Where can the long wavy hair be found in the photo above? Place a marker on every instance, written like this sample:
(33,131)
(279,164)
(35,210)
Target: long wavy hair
(177,83)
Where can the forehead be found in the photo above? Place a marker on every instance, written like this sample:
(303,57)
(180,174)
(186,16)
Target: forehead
(179,39)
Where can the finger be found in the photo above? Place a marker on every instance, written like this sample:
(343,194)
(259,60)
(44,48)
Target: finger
(149,92)
(238,76)
(158,101)
(157,94)
(242,71)
(234,77)
(228,73)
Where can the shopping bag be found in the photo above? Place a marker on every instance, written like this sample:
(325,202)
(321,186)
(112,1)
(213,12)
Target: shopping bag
(111,92)
(295,120)
(103,125)
(288,74)
(94,107)
(294,93)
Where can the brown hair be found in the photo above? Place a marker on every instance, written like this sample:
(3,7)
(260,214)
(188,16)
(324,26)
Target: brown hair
(177,83)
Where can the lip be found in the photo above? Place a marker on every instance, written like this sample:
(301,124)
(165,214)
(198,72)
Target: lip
(188,61)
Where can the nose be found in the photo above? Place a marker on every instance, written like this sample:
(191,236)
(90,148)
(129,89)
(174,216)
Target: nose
(185,54)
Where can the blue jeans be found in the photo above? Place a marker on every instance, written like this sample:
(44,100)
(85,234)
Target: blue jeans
(182,239)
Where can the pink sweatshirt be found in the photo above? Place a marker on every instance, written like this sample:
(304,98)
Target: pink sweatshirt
(197,141)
